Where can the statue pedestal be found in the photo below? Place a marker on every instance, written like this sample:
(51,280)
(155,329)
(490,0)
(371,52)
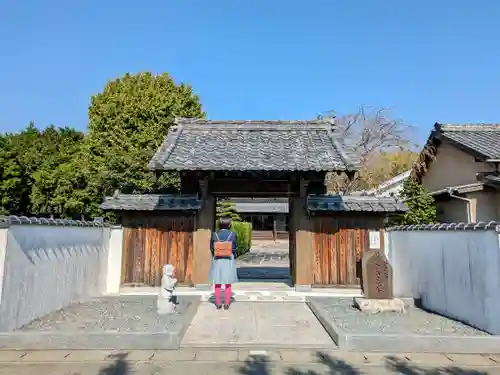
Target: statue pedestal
(166,305)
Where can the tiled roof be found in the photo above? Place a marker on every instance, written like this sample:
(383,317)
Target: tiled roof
(150,202)
(210,145)
(264,205)
(354,203)
(7,221)
(481,139)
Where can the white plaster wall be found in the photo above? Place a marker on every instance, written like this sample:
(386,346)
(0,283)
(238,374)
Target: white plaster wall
(48,267)
(113,272)
(455,273)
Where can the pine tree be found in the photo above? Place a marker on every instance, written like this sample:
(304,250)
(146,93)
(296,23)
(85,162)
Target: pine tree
(421,205)
(227,209)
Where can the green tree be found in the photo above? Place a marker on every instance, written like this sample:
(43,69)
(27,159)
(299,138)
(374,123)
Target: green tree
(421,205)
(227,209)
(51,193)
(30,163)
(127,123)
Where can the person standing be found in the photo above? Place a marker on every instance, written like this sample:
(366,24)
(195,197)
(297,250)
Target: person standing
(223,246)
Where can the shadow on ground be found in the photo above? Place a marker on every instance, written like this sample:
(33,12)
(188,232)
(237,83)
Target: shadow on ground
(334,366)
(119,366)
(262,273)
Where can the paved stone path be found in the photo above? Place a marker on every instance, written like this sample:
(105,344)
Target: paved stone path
(265,262)
(262,257)
(229,362)
(258,325)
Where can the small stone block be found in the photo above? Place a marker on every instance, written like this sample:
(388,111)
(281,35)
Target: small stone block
(217,355)
(241,297)
(266,298)
(470,360)
(299,356)
(11,355)
(375,306)
(89,355)
(174,355)
(253,294)
(46,356)
(293,298)
(429,359)
(303,288)
(376,358)
(135,355)
(259,355)
(203,287)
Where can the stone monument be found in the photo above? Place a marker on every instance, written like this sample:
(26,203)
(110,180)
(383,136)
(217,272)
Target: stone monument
(377,284)
(167,300)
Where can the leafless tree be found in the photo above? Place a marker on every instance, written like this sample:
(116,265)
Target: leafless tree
(372,134)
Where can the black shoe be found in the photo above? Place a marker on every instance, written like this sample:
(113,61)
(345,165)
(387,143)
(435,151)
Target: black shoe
(226,307)
(218,307)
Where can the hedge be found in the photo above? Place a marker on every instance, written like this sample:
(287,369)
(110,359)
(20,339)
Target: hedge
(243,232)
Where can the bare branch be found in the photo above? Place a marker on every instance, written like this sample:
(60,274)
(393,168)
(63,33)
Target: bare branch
(383,145)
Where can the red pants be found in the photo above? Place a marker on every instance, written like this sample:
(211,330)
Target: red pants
(218,294)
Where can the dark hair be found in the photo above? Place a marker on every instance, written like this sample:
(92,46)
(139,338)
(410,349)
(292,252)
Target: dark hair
(225,223)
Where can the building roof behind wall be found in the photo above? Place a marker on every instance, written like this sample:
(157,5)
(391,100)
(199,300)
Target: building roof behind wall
(261,205)
(388,183)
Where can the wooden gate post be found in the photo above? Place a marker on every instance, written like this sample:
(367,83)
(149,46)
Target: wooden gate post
(204,225)
(304,240)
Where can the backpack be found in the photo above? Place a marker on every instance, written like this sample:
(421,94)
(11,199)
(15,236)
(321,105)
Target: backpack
(223,249)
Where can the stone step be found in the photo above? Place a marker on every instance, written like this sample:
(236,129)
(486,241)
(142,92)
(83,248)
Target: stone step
(263,296)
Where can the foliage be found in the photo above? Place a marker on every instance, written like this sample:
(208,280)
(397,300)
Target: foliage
(33,165)
(64,173)
(227,209)
(243,232)
(127,123)
(421,205)
(382,144)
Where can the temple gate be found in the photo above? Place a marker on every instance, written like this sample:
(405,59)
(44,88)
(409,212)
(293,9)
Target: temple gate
(226,159)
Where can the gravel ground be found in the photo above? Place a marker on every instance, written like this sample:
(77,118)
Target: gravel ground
(414,321)
(113,314)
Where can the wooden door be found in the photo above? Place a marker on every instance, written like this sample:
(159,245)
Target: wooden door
(150,243)
(338,250)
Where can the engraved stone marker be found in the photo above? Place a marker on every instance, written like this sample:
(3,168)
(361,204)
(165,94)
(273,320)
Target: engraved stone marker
(377,275)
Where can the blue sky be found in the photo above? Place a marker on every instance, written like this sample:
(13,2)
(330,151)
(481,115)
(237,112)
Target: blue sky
(256,59)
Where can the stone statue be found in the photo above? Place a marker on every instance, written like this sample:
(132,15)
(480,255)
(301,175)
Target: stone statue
(167,300)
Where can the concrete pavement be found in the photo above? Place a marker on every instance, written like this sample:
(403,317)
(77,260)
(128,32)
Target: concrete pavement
(264,324)
(234,361)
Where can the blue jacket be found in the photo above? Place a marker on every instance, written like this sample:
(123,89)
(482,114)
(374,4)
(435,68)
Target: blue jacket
(223,236)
